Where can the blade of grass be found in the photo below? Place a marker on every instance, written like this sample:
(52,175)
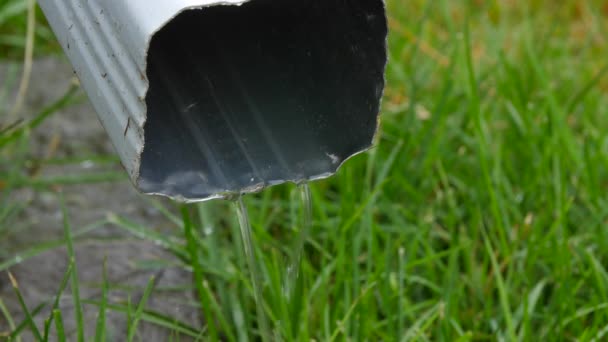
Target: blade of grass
(481,136)
(529,309)
(62,102)
(27,59)
(163,210)
(207,220)
(59,325)
(349,312)
(92,159)
(502,290)
(26,311)
(401,323)
(600,334)
(79,317)
(47,246)
(580,96)
(417,330)
(584,312)
(210,268)
(25,323)
(129,309)
(139,311)
(151,317)
(9,319)
(198,273)
(100,330)
(148,234)
(11,10)
(77,179)
(64,283)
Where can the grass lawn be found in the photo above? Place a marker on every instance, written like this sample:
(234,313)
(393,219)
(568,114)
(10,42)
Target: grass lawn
(481,214)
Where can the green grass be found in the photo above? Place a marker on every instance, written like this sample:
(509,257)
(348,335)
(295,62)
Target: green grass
(480,215)
(13,28)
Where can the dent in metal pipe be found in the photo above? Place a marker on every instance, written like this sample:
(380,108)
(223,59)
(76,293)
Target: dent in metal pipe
(237,98)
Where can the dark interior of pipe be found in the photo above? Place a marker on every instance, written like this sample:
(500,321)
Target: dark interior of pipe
(262,93)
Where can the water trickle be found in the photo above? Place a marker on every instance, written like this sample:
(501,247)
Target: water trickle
(256,275)
(293,270)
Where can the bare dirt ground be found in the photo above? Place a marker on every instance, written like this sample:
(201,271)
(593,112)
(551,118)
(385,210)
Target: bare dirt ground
(76,131)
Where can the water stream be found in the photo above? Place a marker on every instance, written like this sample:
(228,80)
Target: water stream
(252,263)
(295,263)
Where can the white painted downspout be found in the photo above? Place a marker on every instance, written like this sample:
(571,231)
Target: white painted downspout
(108,42)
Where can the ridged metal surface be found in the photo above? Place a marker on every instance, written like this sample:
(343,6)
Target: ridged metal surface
(107,43)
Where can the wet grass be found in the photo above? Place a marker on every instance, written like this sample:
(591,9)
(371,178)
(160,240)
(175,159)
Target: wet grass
(480,215)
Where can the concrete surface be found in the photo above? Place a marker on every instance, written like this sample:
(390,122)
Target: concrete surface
(73,132)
